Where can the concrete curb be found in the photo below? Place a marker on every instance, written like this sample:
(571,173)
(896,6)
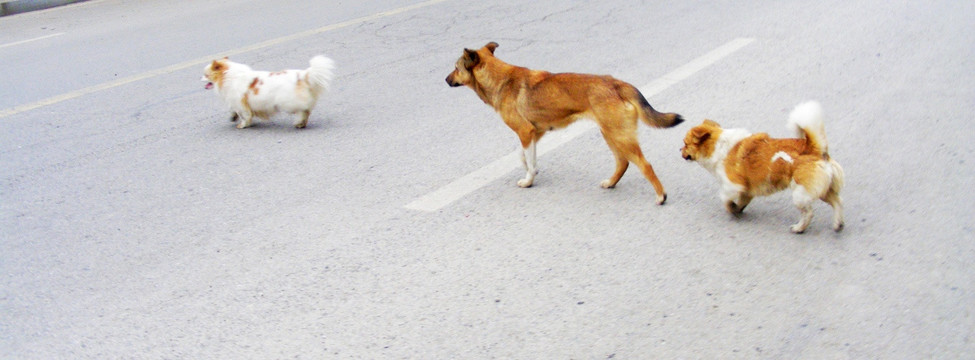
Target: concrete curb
(13,7)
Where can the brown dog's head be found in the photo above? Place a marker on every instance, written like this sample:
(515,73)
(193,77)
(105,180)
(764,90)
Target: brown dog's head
(213,73)
(463,73)
(699,141)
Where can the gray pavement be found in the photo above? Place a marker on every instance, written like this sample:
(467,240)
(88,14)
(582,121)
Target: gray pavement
(137,222)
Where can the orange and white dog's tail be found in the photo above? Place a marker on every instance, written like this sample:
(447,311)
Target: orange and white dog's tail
(320,73)
(807,122)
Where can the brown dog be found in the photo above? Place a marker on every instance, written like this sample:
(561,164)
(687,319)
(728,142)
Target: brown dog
(532,102)
(750,165)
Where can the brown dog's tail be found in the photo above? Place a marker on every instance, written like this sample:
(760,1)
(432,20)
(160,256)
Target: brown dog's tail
(648,114)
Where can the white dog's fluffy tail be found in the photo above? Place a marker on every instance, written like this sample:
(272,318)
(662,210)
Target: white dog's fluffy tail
(320,73)
(807,122)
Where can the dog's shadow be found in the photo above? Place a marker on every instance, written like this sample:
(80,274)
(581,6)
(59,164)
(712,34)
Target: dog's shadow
(778,215)
(278,124)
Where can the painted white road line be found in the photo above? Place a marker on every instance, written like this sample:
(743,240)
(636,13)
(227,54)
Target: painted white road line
(30,40)
(202,60)
(457,189)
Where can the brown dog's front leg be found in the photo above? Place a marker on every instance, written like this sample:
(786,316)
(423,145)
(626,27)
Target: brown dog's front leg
(528,159)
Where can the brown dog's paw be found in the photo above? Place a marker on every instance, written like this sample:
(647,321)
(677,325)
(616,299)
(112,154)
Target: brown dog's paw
(661,199)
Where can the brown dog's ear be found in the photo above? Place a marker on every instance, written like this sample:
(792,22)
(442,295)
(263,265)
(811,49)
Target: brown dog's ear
(472,58)
(491,46)
(216,66)
(711,123)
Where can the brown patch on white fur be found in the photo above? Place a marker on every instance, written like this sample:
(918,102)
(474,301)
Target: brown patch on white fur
(255,86)
(751,165)
(301,84)
(215,72)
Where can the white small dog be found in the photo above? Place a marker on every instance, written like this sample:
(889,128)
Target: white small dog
(251,93)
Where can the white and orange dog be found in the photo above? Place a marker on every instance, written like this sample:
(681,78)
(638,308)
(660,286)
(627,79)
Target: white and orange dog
(750,165)
(251,93)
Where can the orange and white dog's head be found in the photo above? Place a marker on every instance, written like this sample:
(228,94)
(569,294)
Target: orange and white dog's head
(700,141)
(214,73)
(463,74)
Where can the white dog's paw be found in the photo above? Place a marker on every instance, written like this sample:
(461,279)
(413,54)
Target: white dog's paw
(525,183)
(798,229)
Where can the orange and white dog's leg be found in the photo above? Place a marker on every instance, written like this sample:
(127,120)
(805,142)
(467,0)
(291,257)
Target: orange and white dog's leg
(733,196)
(807,186)
(803,201)
(836,202)
(833,194)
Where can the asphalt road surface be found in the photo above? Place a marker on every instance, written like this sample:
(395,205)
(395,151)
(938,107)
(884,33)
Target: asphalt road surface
(137,222)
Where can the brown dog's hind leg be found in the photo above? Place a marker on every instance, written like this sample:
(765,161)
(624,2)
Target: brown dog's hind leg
(630,149)
(621,165)
(647,170)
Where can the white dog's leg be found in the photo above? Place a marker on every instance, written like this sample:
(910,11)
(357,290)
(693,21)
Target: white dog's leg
(528,159)
(303,119)
(245,119)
